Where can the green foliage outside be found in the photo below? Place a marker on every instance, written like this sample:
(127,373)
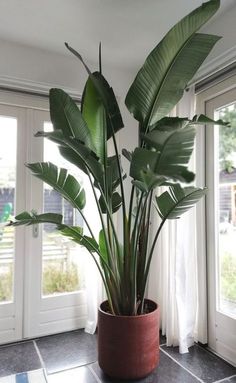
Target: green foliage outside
(57,280)
(6,282)
(227,139)
(228,277)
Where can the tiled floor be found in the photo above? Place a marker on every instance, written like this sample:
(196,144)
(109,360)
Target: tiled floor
(71,358)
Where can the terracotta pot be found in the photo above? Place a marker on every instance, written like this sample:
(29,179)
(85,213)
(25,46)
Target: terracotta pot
(128,346)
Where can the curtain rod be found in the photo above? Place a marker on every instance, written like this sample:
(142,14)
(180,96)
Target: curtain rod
(215,78)
(32,92)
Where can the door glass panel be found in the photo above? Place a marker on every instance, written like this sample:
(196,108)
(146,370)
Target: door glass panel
(8,142)
(227,211)
(62,258)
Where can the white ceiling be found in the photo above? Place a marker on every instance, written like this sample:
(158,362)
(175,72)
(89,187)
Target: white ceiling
(128,29)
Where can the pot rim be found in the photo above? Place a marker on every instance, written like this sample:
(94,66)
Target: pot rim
(129,316)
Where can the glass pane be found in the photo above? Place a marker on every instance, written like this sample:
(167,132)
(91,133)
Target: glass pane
(8,141)
(227,211)
(62,260)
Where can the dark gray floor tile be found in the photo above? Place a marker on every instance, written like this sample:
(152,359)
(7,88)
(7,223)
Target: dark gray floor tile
(67,350)
(167,372)
(18,358)
(232,380)
(75,375)
(202,363)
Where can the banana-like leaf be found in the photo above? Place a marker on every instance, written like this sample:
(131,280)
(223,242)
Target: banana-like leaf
(114,120)
(159,84)
(169,124)
(94,114)
(116,202)
(66,116)
(113,179)
(145,160)
(175,123)
(107,96)
(177,144)
(61,181)
(75,233)
(173,151)
(149,181)
(172,204)
(32,218)
(77,153)
(204,120)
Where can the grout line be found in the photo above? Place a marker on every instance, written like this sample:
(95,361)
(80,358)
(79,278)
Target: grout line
(70,368)
(45,375)
(190,372)
(39,355)
(225,379)
(94,374)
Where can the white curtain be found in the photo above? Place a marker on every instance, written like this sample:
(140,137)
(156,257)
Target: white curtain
(173,281)
(93,282)
(94,294)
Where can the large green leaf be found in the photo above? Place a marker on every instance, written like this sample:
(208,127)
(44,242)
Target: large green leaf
(112,174)
(75,233)
(176,145)
(172,204)
(116,202)
(175,123)
(159,84)
(170,160)
(61,181)
(114,119)
(201,119)
(93,113)
(107,96)
(32,218)
(149,180)
(170,124)
(77,153)
(66,116)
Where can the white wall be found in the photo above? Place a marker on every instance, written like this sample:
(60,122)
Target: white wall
(24,63)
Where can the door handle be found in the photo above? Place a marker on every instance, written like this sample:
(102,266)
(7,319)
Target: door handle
(35,230)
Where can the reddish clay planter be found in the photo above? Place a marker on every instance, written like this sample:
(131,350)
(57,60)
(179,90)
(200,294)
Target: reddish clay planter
(128,346)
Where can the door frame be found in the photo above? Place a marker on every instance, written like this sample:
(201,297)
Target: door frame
(49,314)
(28,107)
(11,314)
(215,319)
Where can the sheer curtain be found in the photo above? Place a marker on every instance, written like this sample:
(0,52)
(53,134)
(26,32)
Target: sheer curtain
(93,282)
(173,280)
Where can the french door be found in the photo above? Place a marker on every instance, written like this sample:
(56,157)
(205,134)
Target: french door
(12,197)
(41,273)
(221,224)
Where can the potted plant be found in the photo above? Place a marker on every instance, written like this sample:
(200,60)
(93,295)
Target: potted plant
(128,321)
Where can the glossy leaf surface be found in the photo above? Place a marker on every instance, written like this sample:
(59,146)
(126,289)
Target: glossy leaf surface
(159,84)
(172,204)
(61,181)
